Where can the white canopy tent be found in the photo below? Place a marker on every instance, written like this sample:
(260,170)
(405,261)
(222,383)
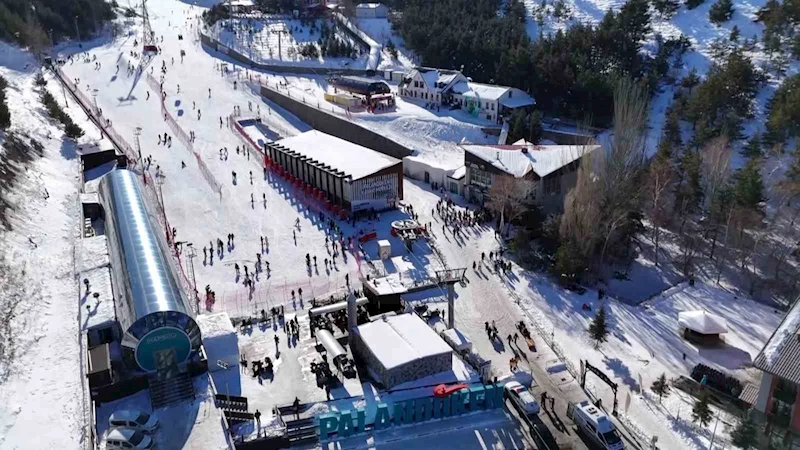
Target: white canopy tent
(702,322)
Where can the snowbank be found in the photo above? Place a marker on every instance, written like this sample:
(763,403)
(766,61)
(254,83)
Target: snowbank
(219,340)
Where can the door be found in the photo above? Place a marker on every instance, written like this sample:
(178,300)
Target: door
(166,363)
(427,177)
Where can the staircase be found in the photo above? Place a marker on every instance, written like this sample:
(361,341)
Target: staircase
(171,390)
(302,431)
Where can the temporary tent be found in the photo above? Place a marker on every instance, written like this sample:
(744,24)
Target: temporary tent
(701,326)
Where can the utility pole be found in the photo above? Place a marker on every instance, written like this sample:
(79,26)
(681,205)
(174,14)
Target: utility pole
(77,32)
(94,98)
(137,132)
(191,253)
(713,434)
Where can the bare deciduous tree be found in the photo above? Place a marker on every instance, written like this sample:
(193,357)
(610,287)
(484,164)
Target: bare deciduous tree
(625,160)
(659,181)
(716,170)
(580,222)
(510,197)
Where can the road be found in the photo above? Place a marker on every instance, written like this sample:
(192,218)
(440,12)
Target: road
(484,298)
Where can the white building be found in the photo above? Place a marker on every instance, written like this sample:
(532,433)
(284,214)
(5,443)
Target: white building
(488,101)
(371,11)
(402,348)
(429,84)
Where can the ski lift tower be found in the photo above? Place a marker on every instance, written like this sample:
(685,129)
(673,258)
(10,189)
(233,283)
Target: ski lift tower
(148,36)
(449,277)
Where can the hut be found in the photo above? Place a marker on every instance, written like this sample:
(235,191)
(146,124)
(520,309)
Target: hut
(701,327)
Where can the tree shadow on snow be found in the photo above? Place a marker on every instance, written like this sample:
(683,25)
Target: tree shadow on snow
(621,371)
(69,149)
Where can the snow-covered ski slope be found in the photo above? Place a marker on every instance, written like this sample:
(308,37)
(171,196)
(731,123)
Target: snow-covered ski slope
(279,40)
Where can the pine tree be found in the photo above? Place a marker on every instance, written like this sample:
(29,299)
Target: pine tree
(535,127)
(5,114)
(660,387)
(752,149)
(721,11)
(748,189)
(745,435)
(598,329)
(569,263)
(691,79)
(735,33)
(72,130)
(518,126)
(667,8)
(701,411)
(692,4)
(391,48)
(39,80)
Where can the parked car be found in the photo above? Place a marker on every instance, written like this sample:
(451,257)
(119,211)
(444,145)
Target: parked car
(128,438)
(133,419)
(521,398)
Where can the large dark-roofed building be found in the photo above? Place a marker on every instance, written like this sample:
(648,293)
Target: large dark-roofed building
(360,85)
(154,313)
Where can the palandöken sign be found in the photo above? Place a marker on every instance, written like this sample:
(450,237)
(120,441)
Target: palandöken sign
(340,424)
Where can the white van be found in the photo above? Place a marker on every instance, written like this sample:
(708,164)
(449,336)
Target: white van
(521,398)
(595,424)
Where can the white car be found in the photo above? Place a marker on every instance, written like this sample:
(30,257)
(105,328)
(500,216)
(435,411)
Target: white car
(521,397)
(133,419)
(128,438)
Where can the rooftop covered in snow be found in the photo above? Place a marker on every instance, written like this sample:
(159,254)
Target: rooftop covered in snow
(519,160)
(401,339)
(781,353)
(340,155)
(436,78)
(702,322)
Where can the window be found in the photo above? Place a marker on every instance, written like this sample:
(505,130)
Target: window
(492,106)
(552,185)
(480,177)
(510,94)
(416,83)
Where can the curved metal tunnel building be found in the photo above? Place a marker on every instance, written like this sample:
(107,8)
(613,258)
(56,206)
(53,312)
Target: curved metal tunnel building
(153,311)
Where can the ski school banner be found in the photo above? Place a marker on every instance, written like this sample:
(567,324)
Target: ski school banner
(344,423)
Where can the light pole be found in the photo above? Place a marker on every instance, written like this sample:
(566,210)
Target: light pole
(77,32)
(713,434)
(191,253)
(137,132)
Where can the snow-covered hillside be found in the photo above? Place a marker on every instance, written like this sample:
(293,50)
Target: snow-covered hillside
(41,398)
(692,23)
(381,31)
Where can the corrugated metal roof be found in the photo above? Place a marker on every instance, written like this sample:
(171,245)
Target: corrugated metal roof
(781,354)
(749,394)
